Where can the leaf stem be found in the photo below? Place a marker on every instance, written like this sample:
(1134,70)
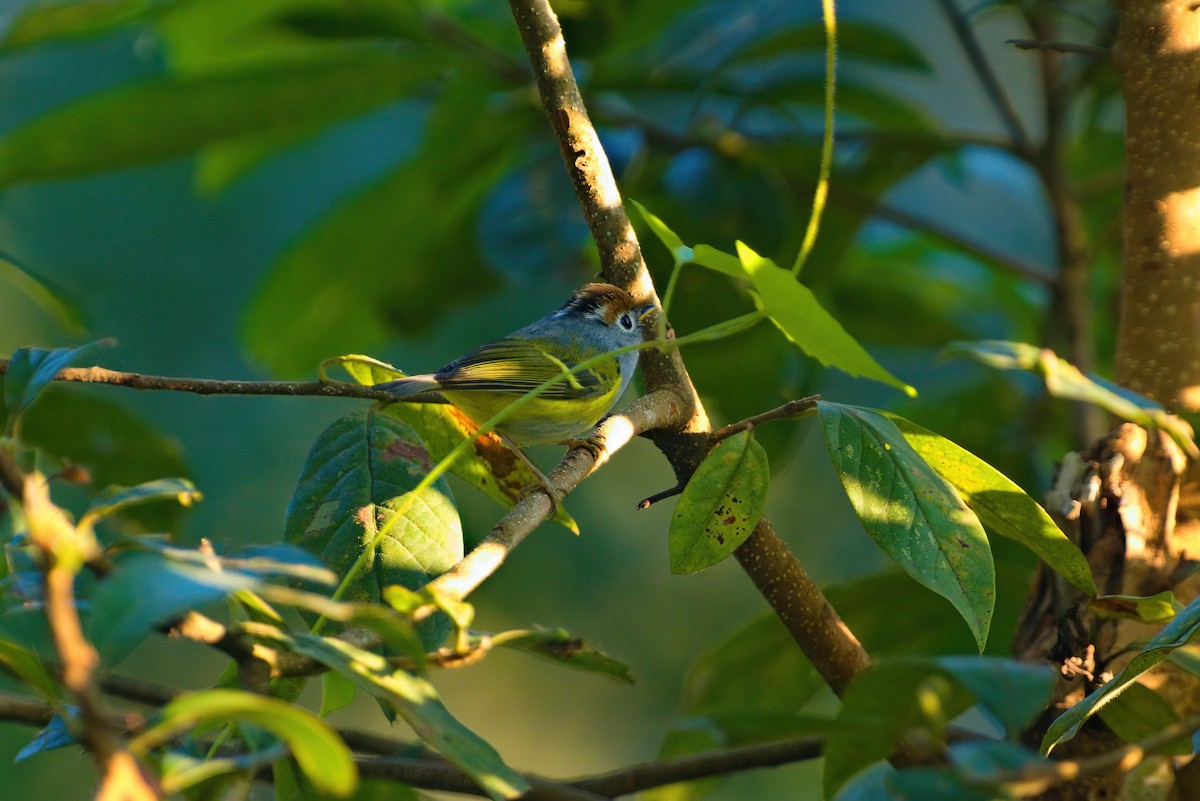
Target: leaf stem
(821,194)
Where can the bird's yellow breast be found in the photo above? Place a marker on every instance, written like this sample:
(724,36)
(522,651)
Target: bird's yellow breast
(541,421)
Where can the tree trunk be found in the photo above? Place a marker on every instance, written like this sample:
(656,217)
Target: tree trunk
(1125,501)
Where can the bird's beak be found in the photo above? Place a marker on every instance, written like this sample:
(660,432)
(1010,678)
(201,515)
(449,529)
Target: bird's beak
(645,310)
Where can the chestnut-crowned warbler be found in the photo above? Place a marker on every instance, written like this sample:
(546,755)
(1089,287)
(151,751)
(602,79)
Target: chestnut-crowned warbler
(598,318)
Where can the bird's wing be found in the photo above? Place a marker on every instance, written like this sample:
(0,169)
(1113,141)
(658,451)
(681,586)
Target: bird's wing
(516,366)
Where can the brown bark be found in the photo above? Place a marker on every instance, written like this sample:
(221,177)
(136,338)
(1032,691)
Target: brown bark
(1158,343)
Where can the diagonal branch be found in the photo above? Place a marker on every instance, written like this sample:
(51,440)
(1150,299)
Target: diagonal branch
(767,560)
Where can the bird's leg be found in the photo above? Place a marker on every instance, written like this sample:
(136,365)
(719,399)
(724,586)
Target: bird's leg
(543,484)
(593,443)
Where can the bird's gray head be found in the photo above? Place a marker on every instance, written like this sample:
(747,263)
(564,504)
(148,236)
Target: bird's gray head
(610,313)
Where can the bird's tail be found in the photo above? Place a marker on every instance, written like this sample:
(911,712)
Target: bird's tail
(403,387)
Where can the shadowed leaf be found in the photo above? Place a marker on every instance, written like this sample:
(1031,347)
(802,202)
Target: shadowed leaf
(559,646)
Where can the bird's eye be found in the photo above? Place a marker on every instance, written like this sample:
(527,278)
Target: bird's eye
(626,322)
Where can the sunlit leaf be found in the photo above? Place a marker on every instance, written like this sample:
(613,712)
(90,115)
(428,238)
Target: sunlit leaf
(1158,608)
(359,472)
(1064,380)
(1001,505)
(721,504)
(1139,712)
(912,513)
(679,251)
(795,310)
(1183,629)
(325,760)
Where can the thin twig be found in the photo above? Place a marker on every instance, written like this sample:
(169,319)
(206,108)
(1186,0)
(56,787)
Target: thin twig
(790,409)
(211,386)
(415,765)
(987,76)
(646,503)
(1061,47)
(636,778)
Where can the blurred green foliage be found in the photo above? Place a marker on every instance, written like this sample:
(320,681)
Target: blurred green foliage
(249,188)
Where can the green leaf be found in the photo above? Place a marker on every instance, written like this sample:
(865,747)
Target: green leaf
(883,703)
(59,21)
(112,442)
(322,756)
(56,734)
(414,699)
(491,467)
(1001,505)
(1184,628)
(912,513)
(679,251)
(1157,608)
(1138,713)
(30,370)
(855,39)
(50,298)
(720,505)
(559,646)
(1064,380)
(145,590)
(337,692)
(28,668)
(722,262)
(980,760)
(1013,693)
(165,117)
(358,473)
(758,668)
(797,313)
(117,499)
(932,784)
(389,222)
